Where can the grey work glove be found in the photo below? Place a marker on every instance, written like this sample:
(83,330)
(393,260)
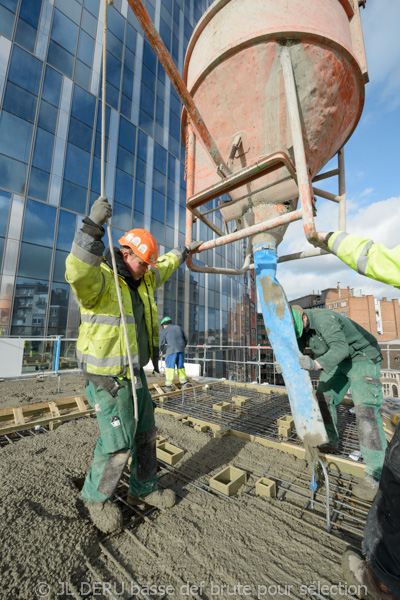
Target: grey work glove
(193,246)
(100,211)
(306,362)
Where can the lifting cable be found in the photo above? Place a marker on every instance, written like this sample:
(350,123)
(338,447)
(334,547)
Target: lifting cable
(109,233)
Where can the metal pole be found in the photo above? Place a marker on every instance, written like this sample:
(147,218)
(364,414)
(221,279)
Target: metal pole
(342,191)
(303,178)
(178,83)
(58,352)
(288,217)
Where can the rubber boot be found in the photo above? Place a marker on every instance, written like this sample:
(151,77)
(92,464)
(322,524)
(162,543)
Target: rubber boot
(358,572)
(159,499)
(106,515)
(367,489)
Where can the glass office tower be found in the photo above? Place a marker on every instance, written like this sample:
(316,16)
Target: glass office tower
(50,81)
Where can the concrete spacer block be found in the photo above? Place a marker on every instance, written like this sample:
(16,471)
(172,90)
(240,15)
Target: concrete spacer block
(285,425)
(201,428)
(222,406)
(284,431)
(266,487)
(160,439)
(240,400)
(286,421)
(228,481)
(169,453)
(185,421)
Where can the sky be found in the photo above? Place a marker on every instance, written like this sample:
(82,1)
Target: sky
(372,163)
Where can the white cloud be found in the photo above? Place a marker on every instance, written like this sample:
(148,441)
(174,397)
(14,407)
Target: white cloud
(366,192)
(300,277)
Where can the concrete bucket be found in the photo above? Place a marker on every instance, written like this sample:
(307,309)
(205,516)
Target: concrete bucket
(238,68)
(280,86)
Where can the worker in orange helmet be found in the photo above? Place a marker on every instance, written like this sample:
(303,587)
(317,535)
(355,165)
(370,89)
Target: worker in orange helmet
(102,355)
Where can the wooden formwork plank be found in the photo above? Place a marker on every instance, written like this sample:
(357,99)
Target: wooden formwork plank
(158,389)
(194,420)
(178,391)
(45,421)
(54,411)
(80,403)
(330,460)
(24,417)
(19,415)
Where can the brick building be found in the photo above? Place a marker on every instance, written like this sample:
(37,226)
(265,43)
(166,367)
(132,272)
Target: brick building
(379,317)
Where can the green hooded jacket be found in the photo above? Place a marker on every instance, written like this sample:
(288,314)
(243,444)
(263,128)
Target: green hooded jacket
(334,338)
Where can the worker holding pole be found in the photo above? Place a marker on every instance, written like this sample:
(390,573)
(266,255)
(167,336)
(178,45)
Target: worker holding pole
(175,339)
(379,571)
(348,356)
(103,356)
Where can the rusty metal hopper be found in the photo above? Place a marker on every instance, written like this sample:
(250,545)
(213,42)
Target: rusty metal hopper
(233,70)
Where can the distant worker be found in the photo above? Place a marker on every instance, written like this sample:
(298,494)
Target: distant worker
(348,355)
(379,572)
(176,340)
(102,355)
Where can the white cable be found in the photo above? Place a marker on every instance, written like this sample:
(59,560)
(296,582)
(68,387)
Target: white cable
(109,233)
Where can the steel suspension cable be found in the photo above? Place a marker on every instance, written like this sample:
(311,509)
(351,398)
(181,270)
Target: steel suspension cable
(109,233)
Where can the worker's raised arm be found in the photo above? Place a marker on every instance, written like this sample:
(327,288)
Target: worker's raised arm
(169,262)
(83,262)
(364,256)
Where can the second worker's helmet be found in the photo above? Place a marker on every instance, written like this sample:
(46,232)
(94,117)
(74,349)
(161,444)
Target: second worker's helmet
(166,320)
(142,243)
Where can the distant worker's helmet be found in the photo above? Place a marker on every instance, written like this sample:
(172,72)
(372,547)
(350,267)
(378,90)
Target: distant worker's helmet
(142,243)
(297,314)
(166,320)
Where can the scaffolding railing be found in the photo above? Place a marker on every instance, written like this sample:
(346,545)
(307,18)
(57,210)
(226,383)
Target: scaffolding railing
(56,354)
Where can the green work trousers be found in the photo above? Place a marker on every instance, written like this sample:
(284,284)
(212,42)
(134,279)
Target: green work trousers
(115,417)
(366,389)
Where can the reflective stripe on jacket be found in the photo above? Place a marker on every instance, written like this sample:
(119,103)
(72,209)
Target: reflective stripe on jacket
(101,342)
(367,258)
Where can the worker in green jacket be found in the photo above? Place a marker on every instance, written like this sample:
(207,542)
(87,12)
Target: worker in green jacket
(102,355)
(377,572)
(347,355)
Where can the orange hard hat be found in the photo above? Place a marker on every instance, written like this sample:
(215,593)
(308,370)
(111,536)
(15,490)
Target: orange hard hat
(142,243)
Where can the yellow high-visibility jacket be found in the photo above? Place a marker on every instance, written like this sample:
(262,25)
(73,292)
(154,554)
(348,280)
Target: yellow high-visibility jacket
(101,347)
(367,258)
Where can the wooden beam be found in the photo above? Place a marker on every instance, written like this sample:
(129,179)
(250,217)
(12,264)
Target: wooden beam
(19,416)
(54,411)
(80,403)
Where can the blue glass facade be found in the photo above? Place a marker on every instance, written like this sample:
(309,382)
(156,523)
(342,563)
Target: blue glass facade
(50,115)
